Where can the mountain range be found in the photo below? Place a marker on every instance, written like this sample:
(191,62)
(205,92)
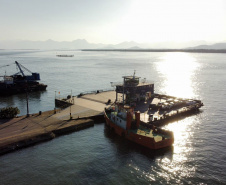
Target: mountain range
(213,46)
(83,44)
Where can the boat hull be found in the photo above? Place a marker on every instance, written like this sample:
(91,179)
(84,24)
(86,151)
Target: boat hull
(21,88)
(136,138)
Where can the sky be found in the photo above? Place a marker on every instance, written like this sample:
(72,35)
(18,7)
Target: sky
(113,21)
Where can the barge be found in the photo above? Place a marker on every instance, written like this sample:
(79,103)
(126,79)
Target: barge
(21,83)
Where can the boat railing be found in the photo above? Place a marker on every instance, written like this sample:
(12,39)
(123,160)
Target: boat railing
(94,92)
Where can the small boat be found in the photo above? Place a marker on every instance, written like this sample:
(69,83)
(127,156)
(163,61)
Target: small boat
(64,55)
(126,123)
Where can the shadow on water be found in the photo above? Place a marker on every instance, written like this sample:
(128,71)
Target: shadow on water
(115,157)
(20,101)
(14,99)
(125,146)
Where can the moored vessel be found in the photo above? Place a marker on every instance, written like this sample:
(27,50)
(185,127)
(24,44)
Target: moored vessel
(64,55)
(122,118)
(20,83)
(126,123)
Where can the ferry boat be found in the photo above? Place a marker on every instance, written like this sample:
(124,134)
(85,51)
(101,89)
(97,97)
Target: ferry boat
(126,123)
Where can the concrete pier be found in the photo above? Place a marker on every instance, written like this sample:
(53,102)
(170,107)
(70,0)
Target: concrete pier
(87,105)
(24,131)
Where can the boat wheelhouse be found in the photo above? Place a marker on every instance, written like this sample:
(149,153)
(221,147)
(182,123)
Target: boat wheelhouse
(134,89)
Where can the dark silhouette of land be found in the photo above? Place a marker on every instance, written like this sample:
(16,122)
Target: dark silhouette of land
(163,50)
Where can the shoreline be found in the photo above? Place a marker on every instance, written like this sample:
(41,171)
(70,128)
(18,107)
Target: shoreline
(163,50)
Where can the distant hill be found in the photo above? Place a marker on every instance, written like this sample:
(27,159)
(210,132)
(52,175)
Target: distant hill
(126,45)
(135,47)
(108,47)
(49,44)
(213,46)
(83,44)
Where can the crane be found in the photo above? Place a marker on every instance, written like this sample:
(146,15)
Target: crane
(32,77)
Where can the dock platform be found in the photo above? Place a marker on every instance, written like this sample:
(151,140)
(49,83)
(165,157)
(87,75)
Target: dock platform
(24,131)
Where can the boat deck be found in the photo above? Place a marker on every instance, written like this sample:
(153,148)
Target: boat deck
(151,115)
(149,133)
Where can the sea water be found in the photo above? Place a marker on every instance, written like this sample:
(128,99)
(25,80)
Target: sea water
(96,156)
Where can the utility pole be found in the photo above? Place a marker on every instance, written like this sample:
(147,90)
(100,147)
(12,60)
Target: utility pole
(27,101)
(55,104)
(70,105)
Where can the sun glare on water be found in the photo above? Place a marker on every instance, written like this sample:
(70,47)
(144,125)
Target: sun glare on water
(178,72)
(175,166)
(179,166)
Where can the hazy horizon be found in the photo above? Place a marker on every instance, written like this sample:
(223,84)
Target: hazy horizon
(125,41)
(84,44)
(113,22)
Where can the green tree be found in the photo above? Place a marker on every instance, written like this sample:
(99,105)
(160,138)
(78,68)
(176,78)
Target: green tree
(9,112)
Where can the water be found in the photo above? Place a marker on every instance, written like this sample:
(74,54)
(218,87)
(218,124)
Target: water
(94,156)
